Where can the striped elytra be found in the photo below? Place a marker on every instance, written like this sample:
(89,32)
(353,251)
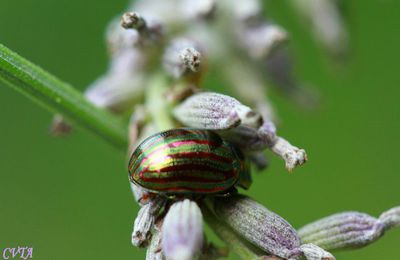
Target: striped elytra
(185,161)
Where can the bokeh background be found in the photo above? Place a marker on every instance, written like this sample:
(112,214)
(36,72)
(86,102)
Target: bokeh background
(70,199)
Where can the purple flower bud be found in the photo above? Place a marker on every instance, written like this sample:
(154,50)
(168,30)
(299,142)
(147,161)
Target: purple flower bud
(250,139)
(265,109)
(390,218)
(215,112)
(327,25)
(261,39)
(144,221)
(343,231)
(115,93)
(182,231)
(258,225)
(313,252)
(122,86)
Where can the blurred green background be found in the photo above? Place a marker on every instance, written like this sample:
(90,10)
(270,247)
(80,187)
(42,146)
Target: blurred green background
(70,199)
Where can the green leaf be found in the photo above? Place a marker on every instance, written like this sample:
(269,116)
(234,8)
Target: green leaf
(59,97)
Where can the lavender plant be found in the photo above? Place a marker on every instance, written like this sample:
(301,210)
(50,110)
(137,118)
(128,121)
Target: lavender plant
(160,52)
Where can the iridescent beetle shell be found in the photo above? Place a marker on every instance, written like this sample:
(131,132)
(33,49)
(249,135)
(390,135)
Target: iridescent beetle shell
(186,161)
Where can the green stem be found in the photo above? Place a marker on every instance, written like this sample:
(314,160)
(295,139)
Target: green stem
(59,97)
(157,104)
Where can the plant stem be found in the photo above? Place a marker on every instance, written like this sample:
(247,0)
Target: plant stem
(157,104)
(59,97)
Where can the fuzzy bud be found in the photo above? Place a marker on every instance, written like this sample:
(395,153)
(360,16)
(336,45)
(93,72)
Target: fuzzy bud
(182,232)
(250,139)
(150,30)
(118,39)
(326,22)
(215,112)
(313,252)
(198,9)
(245,10)
(154,251)
(144,221)
(123,84)
(260,40)
(343,231)
(181,57)
(132,20)
(292,155)
(390,218)
(115,93)
(258,225)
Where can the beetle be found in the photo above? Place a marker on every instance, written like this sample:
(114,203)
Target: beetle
(185,161)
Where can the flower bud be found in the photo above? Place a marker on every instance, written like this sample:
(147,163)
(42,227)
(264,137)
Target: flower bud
(343,231)
(261,39)
(144,221)
(118,39)
(251,139)
(154,251)
(132,20)
(258,225)
(313,252)
(182,232)
(115,93)
(198,9)
(390,218)
(150,30)
(265,109)
(122,86)
(244,10)
(292,155)
(215,112)
(181,57)
(327,23)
